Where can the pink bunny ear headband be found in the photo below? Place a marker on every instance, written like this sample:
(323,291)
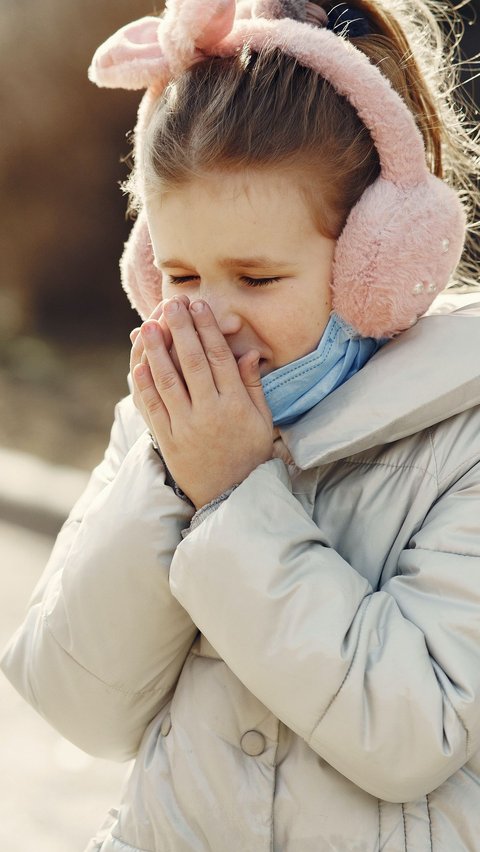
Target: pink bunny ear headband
(402,239)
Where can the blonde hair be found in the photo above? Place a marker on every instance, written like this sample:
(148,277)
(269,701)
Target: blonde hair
(264,110)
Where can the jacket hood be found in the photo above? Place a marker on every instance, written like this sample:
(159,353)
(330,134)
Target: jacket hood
(421,377)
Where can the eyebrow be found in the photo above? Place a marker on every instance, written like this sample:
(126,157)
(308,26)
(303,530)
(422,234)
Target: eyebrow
(230,262)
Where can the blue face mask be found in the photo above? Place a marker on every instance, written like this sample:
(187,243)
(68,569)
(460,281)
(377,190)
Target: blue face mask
(295,388)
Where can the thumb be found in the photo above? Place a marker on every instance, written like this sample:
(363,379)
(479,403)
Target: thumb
(249,369)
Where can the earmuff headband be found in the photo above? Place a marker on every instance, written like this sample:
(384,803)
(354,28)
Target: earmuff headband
(403,238)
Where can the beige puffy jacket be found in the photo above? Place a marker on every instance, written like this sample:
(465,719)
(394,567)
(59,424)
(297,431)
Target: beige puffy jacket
(300,672)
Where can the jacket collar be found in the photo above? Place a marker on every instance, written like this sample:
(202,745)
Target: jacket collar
(421,377)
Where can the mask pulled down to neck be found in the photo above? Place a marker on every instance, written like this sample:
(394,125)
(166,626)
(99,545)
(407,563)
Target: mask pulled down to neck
(295,388)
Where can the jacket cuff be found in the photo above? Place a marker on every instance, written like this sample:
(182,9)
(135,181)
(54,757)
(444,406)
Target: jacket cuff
(207,510)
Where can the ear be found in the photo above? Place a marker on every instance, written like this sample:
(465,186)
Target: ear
(131,58)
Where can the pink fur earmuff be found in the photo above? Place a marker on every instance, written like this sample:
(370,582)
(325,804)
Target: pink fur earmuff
(402,239)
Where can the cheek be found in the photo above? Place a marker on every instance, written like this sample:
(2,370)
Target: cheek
(289,333)
(302,322)
(302,329)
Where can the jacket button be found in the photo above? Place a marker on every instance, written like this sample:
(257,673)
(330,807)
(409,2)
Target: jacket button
(253,743)
(166,725)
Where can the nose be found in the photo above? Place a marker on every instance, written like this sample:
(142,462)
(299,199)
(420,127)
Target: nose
(225,311)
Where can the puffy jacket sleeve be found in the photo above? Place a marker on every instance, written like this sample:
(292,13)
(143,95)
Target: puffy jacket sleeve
(104,640)
(384,684)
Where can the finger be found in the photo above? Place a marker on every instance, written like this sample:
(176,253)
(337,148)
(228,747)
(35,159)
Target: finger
(137,356)
(174,357)
(249,369)
(136,351)
(157,314)
(158,309)
(151,400)
(219,355)
(168,382)
(167,334)
(193,361)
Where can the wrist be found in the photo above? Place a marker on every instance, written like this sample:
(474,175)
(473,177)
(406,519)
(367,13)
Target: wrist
(169,480)
(214,488)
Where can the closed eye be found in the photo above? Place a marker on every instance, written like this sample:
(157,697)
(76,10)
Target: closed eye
(181,279)
(258,282)
(251,282)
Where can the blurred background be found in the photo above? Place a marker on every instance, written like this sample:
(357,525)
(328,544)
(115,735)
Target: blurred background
(64,350)
(64,319)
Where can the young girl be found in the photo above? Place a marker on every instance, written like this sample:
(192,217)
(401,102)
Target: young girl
(269,592)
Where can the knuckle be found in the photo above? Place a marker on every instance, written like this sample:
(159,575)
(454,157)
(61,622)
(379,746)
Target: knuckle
(194,361)
(219,354)
(166,381)
(155,406)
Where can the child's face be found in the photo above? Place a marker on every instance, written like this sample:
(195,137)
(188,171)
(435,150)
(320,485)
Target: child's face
(215,236)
